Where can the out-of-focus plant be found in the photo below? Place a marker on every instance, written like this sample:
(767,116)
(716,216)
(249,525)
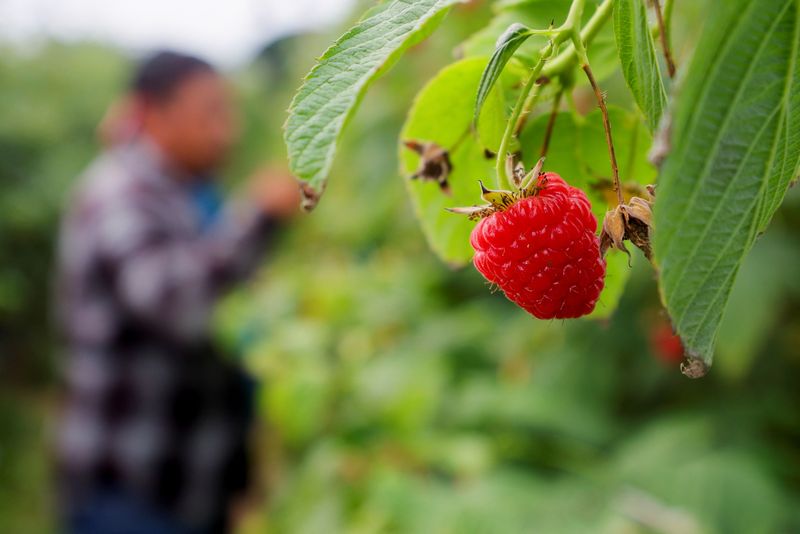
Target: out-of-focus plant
(51,104)
(51,100)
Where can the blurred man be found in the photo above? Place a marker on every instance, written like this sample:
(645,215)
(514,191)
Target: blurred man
(153,435)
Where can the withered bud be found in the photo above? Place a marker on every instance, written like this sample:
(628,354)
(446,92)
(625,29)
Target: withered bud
(639,209)
(310,196)
(515,170)
(694,367)
(434,165)
(613,233)
(630,221)
(639,234)
(639,218)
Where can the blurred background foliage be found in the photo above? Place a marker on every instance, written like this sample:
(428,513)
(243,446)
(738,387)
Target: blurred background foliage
(399,395)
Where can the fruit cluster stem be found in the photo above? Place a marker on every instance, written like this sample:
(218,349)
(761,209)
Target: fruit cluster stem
(530,103)
(533,81)
(601,101)
(551,124)
(567,59)
(664,36)
(580,51)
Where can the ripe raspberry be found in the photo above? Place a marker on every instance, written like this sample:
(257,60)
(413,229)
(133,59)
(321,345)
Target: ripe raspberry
(542,251)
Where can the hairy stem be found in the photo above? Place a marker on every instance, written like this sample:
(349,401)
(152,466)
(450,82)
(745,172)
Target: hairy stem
(551,124)
(569,58)
(601,101)
(503,181)
(664,35)
(580,52)
(530,103)
(573,21)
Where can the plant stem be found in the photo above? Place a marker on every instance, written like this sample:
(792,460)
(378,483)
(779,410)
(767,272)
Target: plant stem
(527,97)
(568,58)
(503,181)
(664,34)
(570,30)
(530,102)
(580,53)
(573,21)
(551,123)
(607,126)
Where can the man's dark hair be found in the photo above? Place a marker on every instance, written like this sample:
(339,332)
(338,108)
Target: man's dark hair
(161,74)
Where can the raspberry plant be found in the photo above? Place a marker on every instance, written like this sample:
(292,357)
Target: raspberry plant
(716,131)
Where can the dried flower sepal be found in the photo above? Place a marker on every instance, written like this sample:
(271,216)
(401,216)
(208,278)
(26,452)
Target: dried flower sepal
(631,222)
(434,164)
(525,185)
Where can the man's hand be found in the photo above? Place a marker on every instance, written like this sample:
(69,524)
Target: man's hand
(277,193)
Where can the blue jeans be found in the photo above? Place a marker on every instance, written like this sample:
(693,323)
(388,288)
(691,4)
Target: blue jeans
(113,512)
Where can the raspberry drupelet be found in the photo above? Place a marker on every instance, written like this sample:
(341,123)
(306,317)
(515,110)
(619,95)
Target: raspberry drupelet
(538,244)
(542,250)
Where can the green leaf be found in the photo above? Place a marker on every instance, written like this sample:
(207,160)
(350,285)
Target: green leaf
(755,303)
(736,146)
(532,14)
(334,87)
(639,61)
(578,153)
(442,113)
(507,44)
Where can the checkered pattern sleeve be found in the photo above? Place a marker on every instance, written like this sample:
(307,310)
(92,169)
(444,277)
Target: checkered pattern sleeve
(168,278)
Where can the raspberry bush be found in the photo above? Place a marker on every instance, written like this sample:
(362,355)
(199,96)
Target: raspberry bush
(688,167)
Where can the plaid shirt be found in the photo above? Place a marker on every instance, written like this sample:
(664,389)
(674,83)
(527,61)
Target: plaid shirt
(151,409)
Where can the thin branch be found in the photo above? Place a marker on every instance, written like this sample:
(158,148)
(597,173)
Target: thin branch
(551,123)
(664,35)
(601,101)
(567,59)
(503,181)
(530,103)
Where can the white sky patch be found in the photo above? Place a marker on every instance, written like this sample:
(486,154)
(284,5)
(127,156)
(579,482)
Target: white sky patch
(228,32)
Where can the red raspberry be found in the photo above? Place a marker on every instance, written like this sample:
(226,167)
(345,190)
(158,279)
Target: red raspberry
(543,251)
(667,346)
